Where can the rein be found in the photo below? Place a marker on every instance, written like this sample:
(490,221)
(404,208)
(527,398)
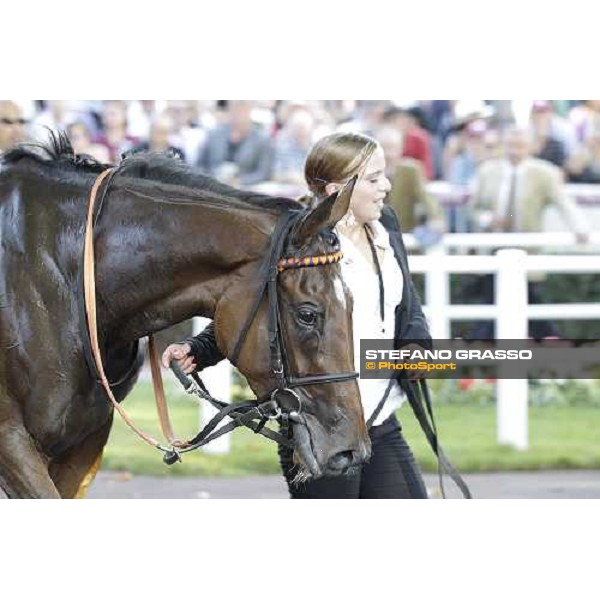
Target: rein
(253,414)
(89,294)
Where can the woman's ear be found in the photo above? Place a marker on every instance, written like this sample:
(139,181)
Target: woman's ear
(326,213)
(332,188)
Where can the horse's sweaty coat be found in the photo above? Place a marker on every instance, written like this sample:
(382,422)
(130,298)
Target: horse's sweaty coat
(170,244)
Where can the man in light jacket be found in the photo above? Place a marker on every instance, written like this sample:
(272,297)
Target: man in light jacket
(511,194)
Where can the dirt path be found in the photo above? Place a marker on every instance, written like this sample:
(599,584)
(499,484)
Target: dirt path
(538,484)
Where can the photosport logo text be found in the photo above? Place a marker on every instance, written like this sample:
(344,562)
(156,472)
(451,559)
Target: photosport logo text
(509,359)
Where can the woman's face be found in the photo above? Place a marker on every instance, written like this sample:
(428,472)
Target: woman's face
(371,189)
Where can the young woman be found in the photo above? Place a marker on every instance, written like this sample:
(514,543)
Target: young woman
(385,306)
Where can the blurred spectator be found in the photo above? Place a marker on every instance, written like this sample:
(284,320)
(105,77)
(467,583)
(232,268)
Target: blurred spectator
(291,147)
(114,125)
(416,141)
(368,115)
(59,114)
(263,113)
(56,115)
(238,151)
(500,114)
(12,125)
(583,116)
(470,142)
(81,140)
(465,112)
(464,152)
(426,116)
(336,111)
(439,115)
(584,165)
(160,138)
(553,137)
(563,107)
(189,127)
(390,140)
(511,194)
(140,114)
(492,144)
(409,197)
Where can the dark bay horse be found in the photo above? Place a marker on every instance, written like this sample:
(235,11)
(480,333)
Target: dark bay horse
(170,244)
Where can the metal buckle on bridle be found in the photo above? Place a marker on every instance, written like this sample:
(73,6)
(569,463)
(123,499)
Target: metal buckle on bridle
(193,388)
(278,370)
(171,456)
(274,413)
(291,413)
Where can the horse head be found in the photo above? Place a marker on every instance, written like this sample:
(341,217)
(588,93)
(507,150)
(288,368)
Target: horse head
(308,325)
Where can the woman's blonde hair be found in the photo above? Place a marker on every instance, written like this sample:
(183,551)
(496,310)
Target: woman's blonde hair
(335,159)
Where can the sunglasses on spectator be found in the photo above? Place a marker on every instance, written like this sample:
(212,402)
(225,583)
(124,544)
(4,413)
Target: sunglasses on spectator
(6,121)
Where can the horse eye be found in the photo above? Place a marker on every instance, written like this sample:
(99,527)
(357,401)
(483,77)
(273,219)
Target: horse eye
(307,316)
(332,240)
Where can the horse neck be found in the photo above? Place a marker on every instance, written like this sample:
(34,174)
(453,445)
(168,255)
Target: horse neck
(161,262)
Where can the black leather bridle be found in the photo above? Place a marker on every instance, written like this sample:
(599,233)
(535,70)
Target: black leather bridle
(281,403)
(272,266)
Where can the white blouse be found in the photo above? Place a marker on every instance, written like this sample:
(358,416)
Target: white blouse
(363,282)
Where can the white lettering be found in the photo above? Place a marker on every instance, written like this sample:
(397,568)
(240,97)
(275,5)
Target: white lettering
(494,354)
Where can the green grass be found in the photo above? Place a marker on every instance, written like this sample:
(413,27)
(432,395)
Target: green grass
(560,437)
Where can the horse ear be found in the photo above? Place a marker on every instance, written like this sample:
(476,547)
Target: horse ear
(327,213)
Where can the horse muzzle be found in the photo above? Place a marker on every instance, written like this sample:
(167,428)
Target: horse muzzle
(340,463)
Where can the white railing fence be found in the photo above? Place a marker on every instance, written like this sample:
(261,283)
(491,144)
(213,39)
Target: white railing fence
(511,310)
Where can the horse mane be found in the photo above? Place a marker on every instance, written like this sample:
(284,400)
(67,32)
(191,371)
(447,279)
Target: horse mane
(59,160)
(56,151)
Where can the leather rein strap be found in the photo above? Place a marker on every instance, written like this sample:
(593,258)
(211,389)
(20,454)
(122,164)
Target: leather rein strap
(241,413)
(89,291)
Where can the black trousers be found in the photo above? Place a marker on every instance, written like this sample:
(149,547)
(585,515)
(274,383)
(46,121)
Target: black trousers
(392,471)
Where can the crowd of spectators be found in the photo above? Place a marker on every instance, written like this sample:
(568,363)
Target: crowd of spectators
(262,144)
(506,161)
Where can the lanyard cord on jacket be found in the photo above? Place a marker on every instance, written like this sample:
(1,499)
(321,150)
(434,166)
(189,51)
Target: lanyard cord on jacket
(379,274)
(388,389)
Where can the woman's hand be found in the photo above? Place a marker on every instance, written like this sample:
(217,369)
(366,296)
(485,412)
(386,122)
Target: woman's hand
(180,353)
(415,375)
